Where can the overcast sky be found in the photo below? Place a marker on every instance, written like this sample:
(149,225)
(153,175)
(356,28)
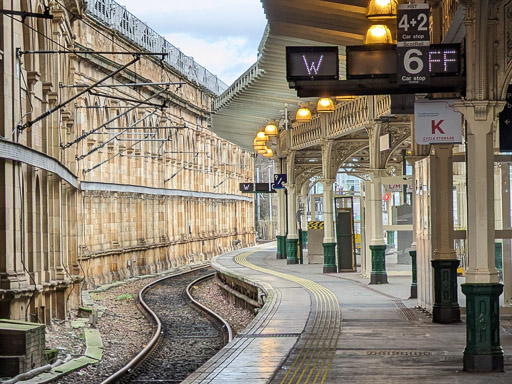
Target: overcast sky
(221,35)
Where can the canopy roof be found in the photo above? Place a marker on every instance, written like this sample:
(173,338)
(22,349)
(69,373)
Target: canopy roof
(262,92)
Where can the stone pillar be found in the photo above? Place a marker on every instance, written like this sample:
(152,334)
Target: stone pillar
(373,205)
(281,224)
(329,241)
(418,152)
(377,244)
(483,351)
(292,239)
(12,275)
(444,260)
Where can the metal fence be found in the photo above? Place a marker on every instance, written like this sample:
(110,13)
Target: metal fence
(117,17)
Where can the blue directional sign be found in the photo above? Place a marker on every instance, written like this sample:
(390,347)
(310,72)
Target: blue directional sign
(279,180)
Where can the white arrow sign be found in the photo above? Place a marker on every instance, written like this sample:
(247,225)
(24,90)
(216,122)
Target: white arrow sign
(437,122)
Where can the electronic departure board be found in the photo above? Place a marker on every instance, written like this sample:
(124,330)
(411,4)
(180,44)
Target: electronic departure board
(312,63)
(444,60)
(365,62)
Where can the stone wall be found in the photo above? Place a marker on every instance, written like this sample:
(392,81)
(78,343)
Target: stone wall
(149,186)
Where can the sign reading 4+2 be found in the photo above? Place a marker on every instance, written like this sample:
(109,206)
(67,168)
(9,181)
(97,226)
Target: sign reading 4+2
(413,41)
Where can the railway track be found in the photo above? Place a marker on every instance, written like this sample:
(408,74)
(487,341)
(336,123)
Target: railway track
(186,333)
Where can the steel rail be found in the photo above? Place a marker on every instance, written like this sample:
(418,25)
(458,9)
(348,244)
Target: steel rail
(157,334)
(207,310)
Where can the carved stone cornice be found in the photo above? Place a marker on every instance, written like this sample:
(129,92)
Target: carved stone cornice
(32,78)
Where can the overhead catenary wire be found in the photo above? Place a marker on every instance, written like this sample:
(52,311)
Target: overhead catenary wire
(59,106)
(65,50)
(85,171)
(78,52)
(99,31)
(182,168)
(121,85)
(113,138)
(125,99)
(25,14)
(86,134)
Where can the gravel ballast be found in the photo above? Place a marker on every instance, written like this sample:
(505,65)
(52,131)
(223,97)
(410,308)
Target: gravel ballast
(125,330)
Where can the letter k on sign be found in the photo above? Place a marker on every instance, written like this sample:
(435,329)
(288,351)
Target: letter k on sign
(437,126)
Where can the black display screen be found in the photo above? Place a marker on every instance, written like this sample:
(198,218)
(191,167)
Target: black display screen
(312,63)
(444,59)
(367,61)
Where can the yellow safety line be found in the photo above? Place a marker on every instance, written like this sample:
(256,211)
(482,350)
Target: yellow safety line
(319,348)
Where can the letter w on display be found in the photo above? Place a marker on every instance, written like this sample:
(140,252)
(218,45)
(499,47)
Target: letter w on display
(311,67)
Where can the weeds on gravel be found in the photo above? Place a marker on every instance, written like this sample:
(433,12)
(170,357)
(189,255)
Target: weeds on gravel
(125,297)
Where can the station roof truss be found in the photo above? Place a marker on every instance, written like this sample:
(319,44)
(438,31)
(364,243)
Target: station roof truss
(261,93)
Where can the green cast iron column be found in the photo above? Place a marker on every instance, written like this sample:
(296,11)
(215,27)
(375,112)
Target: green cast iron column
(414,284)
(291,251)
(329,257)
(378,274)
(304,238)
(483,352)
(446,305)
(281,247)
(281,223)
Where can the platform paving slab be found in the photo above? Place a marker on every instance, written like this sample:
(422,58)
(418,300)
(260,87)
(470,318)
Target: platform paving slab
(384,338)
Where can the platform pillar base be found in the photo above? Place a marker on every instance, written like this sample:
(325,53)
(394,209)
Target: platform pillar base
(483,352)
(446,305)
(291,251)
(281,247)
(378,274)
(329,258)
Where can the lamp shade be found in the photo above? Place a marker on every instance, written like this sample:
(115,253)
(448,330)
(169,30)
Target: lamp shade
(378,34)
(271,129)
(303,115)
(268,153)
(381,9)
(258,144)
(262,151)
(261,136)
(325,105)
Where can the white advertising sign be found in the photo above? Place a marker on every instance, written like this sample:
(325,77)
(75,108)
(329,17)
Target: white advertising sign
(437,122)
(385,142)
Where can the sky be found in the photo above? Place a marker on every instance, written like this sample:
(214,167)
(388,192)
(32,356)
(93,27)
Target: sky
(221,35)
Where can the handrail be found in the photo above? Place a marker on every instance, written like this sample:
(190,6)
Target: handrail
(348,117)
(115,16)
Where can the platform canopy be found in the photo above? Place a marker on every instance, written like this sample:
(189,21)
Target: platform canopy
(262,92)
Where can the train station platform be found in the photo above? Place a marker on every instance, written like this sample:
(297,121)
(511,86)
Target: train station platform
(336,328)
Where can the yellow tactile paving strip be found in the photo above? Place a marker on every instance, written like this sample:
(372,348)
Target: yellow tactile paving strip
(315,356)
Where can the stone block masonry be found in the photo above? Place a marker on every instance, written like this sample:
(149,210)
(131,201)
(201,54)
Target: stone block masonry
(21,347)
